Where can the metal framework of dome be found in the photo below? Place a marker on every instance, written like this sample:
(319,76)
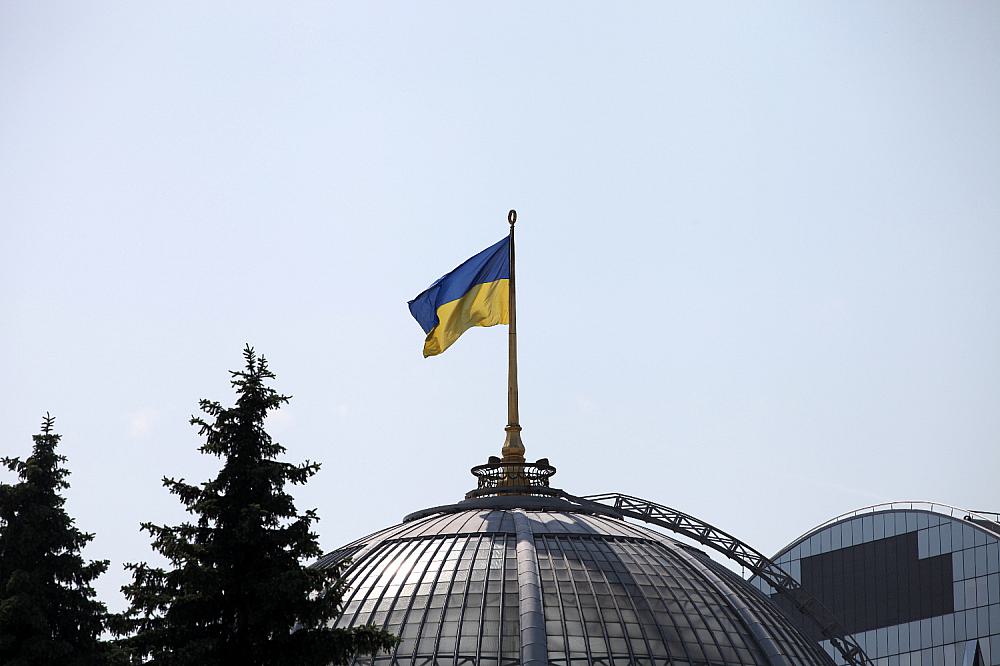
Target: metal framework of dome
(523,573)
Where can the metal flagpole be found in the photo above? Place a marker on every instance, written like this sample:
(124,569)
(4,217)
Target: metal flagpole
(513,448)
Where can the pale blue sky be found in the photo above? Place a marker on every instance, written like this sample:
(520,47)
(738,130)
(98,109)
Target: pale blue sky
(758,258)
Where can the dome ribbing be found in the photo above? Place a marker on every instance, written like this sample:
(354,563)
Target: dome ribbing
(517,578)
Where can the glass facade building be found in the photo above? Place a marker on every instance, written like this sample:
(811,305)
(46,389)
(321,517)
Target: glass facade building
(513,579)
(916,584)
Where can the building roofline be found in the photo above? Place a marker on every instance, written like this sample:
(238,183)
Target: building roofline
(974,518)
(558,500)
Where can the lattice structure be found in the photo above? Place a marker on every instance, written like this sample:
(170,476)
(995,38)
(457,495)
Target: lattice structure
(712,537)
(499,477)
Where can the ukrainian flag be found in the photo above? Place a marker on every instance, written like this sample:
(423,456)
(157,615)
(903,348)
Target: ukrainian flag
(477,293)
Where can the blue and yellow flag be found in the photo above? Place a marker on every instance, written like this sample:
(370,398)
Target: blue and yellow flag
(477,293)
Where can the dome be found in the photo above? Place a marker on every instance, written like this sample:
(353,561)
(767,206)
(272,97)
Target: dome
(517,574)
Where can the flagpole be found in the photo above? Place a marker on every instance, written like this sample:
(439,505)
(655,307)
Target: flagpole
(513,448)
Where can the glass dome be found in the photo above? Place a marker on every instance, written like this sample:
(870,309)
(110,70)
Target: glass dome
(533,579)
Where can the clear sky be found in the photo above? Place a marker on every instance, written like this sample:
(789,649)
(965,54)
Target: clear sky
(758,250)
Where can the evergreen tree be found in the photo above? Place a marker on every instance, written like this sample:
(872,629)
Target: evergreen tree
(48,610)
(237,591)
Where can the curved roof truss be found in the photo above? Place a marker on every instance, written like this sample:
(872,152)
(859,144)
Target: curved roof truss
(738,551)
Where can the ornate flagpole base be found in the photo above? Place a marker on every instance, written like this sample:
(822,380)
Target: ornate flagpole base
(513,448)
(504,477)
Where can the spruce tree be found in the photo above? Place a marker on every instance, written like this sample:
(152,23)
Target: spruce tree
(237,589)
(48,610)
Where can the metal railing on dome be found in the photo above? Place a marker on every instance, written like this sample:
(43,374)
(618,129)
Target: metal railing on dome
(500,477)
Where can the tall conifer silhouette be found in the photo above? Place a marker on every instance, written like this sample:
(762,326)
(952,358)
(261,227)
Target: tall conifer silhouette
(237,590)
(48,610)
